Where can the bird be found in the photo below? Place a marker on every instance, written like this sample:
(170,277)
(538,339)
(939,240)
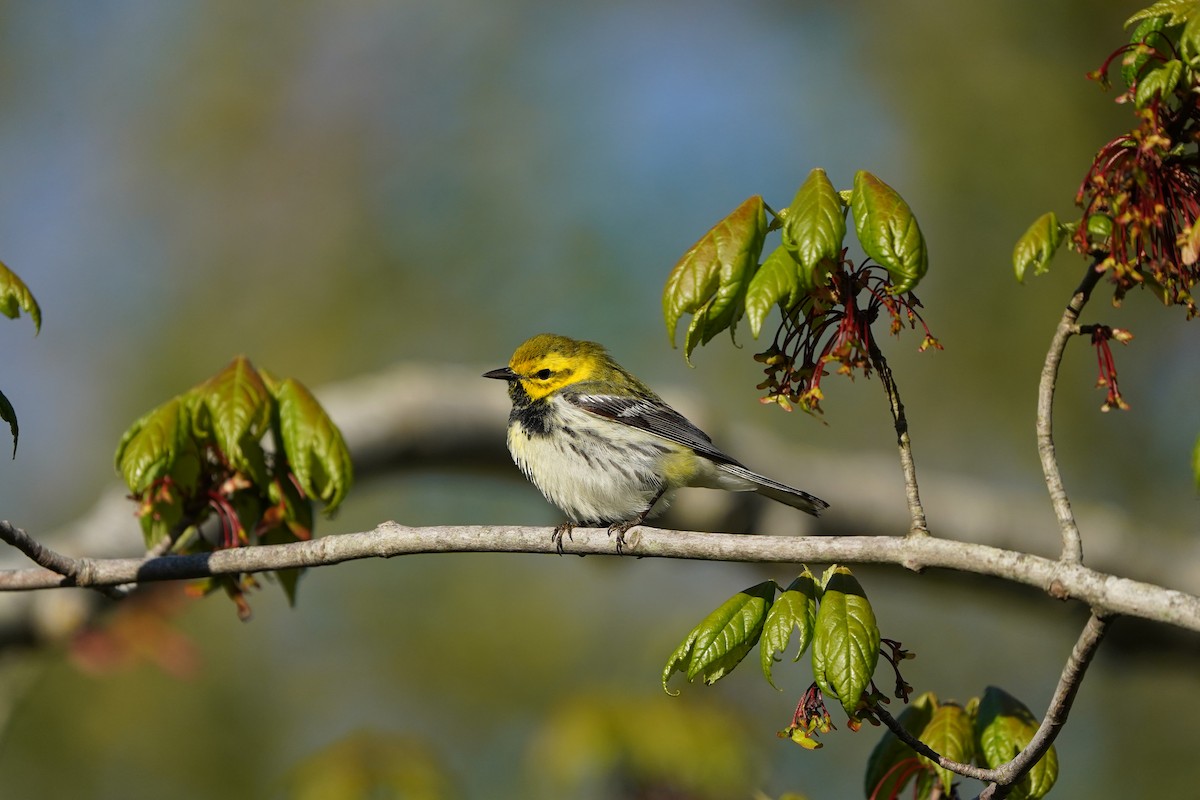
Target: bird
(604,448)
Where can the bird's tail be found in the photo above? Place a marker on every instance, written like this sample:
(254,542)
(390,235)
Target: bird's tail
(777,491)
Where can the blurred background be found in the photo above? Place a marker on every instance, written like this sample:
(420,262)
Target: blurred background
(336,188)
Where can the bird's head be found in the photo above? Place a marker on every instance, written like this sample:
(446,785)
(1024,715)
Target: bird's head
(548,362)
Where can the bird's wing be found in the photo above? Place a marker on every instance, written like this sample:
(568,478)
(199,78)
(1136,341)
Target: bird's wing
(652,415)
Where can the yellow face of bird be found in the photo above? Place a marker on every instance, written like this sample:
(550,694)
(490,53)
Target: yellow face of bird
(548,362)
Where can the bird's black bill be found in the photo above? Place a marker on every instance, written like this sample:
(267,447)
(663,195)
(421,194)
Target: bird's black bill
(503,374)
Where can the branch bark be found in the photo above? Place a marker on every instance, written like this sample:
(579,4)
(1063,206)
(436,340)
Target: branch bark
(1107,593)
(1081,656)
(1072,545)
(918,525)
(1003,778)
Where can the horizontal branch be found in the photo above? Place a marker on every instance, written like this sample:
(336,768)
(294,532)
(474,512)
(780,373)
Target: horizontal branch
(1104,592)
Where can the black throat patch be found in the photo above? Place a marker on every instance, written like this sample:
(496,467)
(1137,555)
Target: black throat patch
(534,418)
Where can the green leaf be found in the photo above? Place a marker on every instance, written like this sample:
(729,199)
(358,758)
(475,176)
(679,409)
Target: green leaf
(795,609)
(15,295)
(313,445)
(950,733)
(1037,246)
(9,414)
(149,449)
(710,280)
(290,511)
(845,645)
(776,281)
(891,764)
(1160,81)
(233,407)
(1004,726)
(715,646)
(815,226)
(1139,55)
(1099,227)
(888,231)
(1175,11)
(1189,43)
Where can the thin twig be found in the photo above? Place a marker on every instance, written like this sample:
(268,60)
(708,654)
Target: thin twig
(70,569)
(1072,546)
(1003,778)
(38,553)
(1010,773)
(966,770)
(918,526)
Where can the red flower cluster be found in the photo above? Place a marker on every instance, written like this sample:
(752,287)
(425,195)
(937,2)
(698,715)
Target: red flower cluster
(830,325)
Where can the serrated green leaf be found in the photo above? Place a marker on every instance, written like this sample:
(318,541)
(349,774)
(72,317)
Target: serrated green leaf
(776,281)
(679,659)
(845,644)
(1160,81)
(815,226)
(9,414)
(710,279)
(795,609)
(888,231)
(893,763)
(1037,246)
(722,639)
(1004,726)
(15,296)
(313,445)
(1189,43)
(149,449)
(233,407)
(950,733)
(1174,12)
(1141,51)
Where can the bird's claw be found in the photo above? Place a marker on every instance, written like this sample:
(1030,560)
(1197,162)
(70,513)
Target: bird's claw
(556,537)
(620,529)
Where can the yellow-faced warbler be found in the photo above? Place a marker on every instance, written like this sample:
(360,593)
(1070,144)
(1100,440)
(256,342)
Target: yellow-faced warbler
(603,447)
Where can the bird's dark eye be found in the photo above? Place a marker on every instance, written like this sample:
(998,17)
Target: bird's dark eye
(542,374)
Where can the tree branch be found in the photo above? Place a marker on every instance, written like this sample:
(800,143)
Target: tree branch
(1081,656)
(957,767)
(1072,547)
(1003,778)
(69,568)
(916,511)
(1106,592)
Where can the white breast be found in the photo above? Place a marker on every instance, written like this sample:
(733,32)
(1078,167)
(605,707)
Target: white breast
(595,470)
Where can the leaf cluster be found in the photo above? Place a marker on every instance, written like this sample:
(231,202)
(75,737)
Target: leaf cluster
(1140,199)
(720,278)
(831,615)
(236,460)
(987,731)
(1139,196)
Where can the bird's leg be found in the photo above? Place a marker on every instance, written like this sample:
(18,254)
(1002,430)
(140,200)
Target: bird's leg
(620,528)
(556,537)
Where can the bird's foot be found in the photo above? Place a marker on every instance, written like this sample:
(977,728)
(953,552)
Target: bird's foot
(556,537)
(620,529)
